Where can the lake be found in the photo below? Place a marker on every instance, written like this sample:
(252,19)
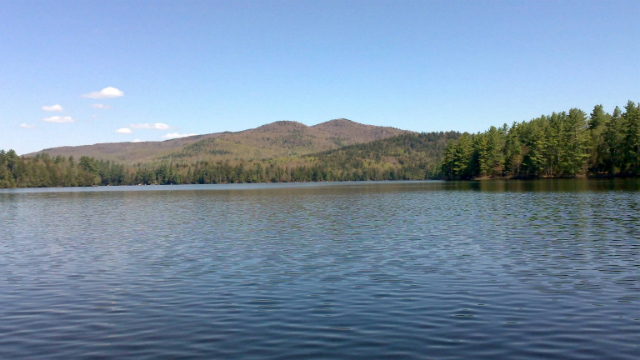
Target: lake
(415,270)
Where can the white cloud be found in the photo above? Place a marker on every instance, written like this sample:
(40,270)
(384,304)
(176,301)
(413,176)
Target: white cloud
(101,106)
(137,140)
(59,119)
(27,126)
(157,126)
(176,135)
(55,107)
(108,92)
(124,131)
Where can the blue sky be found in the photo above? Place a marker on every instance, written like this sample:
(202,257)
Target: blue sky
(202,67)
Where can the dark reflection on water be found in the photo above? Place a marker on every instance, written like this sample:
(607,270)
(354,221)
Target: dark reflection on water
(532,270)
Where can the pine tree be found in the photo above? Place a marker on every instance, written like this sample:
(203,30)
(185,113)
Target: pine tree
(631,142)
(577,139)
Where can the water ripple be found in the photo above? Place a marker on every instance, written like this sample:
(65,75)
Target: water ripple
(384,270)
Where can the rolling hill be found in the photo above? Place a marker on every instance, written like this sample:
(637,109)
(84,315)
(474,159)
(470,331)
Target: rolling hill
(407,156)
(278,139)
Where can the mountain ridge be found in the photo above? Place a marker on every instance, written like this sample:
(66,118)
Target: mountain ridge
(279,138)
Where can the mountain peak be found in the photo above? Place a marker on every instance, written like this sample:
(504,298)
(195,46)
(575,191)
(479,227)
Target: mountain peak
(279,126)
(280,138)
(338,122)
(345,128)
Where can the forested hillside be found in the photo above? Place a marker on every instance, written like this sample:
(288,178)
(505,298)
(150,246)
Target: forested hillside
(559,145)
(277,139)
(564,144)
(405,157)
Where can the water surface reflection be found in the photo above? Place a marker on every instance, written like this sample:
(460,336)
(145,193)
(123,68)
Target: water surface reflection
(545,269)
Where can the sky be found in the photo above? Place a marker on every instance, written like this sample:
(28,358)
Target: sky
(85,72)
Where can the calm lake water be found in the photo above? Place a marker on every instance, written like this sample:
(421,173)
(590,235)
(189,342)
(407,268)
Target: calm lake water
(431,270)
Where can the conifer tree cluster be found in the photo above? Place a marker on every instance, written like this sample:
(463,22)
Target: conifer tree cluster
(559,145)
(45,171)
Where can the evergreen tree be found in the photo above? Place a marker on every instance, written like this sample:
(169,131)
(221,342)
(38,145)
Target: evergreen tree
(631,140)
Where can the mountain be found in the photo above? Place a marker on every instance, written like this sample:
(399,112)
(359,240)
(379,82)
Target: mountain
(281,138)
(408,156)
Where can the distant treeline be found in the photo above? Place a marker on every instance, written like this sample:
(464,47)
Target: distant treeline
(45,171)
(404,157)
(559,145)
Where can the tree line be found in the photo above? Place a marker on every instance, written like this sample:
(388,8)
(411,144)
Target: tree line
(45,171)
(404,157)
(565,144)
(42,171)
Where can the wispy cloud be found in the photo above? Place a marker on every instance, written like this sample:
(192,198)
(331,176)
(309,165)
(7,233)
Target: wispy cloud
(108,92)
(157,126)
(59,119)
(124,131)
(137,140)
(27,126)
(55,107)
(101,106)
(176,135)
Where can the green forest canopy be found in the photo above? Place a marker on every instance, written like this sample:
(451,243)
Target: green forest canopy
(558,145)
(405,157)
